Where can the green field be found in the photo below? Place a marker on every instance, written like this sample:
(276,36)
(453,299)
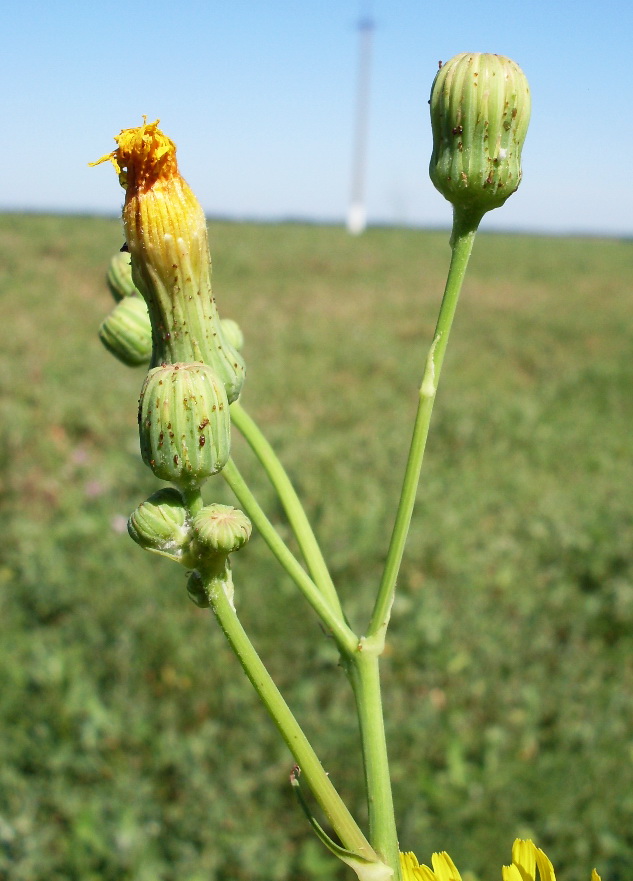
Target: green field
(131,746)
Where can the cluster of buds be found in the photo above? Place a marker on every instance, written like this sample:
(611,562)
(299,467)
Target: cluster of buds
(202,542)
(166,318)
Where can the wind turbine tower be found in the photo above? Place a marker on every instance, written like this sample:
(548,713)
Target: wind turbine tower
(357,213)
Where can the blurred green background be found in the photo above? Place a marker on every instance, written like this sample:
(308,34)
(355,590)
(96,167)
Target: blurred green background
(131,746)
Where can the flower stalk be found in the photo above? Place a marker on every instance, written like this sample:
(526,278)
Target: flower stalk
(479,110)
(462,240)
(311,769)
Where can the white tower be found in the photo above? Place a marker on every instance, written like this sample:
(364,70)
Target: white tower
(357,212)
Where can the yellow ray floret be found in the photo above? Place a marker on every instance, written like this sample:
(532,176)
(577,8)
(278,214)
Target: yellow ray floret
(526,858)
(443,868)
(143,155)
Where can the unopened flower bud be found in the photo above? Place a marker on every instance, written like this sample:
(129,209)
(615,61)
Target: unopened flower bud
(127,332)
(232,333)
(221,529)
(184,423)
(480,109)
(119,277)
(161,524)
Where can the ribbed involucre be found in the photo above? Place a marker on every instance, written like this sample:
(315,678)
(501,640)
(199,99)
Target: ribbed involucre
(480,110)
(119,277)
(127,332)
(184,423)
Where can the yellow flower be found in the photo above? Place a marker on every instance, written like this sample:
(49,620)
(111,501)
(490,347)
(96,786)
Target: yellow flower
(443,868)
(166,233)
(526,857)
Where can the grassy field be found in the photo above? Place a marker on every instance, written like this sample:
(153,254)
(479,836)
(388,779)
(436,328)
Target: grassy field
(131,748)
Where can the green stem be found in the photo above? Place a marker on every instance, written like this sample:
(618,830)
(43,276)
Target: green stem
(193,500)
(464,229)
(363,672)
(346,639)
(290,501)
(311,769)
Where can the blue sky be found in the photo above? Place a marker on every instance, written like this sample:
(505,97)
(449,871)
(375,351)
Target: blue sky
(259,98)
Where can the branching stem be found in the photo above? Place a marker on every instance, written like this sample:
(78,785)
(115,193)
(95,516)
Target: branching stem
(462,238)
(292,505)
(311,769)
(345,638)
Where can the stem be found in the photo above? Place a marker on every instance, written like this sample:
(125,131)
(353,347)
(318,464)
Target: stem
(311,769)
(346,639)
(193,500)
(464,229)
(290,501)
(363,672)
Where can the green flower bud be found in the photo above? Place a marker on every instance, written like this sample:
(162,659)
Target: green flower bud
(232,333)
(119,277)
(161,524)
(220,529)
(480,109)
(127,332)
(184,423)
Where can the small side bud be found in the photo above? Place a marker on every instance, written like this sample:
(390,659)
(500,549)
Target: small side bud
(480,110)
(221,529)
(119,277)
(232,333)
(127,332)
(161,524)
(184,423)
(195,589)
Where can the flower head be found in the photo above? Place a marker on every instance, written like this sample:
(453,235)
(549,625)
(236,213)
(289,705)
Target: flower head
(526,858)
(443,868)
(480,109)
(166,233)
(143,155)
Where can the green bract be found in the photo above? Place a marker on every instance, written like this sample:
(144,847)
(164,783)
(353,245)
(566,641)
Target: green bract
(127,332)
(184,423)
(480,109)
(232,333)
(119,277)
(161,524)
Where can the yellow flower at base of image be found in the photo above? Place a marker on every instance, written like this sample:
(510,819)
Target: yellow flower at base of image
(526,858)
(443,868)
